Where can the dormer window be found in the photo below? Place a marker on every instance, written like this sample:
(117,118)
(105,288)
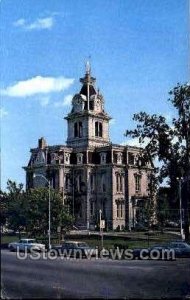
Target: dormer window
(119,158)
(131,159)
(53,158)
(79,158)
(103,158)
(98,129)
(67,158)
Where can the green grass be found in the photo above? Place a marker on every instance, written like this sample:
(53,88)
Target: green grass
(131,240)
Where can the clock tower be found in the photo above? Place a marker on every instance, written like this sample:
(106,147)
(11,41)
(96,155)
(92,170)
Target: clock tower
(88,123)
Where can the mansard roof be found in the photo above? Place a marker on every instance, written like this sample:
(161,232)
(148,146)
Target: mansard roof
(92,90)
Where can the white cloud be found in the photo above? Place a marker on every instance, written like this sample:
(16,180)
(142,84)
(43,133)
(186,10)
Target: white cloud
(135,143)
(44,101)
(37,85)
(112,122)
(3,113)
(19,23)
(66,101)
(40,23)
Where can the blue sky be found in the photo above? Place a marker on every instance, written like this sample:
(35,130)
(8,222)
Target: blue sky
(138,49)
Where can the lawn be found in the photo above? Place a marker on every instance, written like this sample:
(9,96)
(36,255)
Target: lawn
(130,240)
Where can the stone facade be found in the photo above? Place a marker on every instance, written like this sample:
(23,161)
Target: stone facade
(90,171)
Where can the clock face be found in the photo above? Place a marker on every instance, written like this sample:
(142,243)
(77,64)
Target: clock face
(98,104)
(77,103)
(77,100)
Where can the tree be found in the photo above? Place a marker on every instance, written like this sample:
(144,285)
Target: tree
(37,211)
(29,210)
(162,207)
(13,206)
(169,143)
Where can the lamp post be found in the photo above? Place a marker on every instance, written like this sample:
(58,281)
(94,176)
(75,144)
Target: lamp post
(101,229)
(180,208)
(49,208)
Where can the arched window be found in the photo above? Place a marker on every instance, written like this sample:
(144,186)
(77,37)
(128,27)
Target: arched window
(119,182)
(78,129)
(78,183)
(137,182)
(98,129)
(67,182)
(92,208)
(92,182)
(103,183)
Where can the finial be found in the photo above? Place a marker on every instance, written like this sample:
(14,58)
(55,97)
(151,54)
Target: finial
(87,65)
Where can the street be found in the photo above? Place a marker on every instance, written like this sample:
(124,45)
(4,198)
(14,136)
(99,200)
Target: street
(85,278)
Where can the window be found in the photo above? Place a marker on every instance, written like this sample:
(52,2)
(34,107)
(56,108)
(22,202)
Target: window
(137,183)
(92,182)
(103,183)
(67,158)
(131,159)
(119,182)
(78,129)
(91,105)
(67,182)
(120,208)
(92,208)
(103,208)
(119,158)
(78,183)
(79,158)
(103,156)
(98,129)
(117,210)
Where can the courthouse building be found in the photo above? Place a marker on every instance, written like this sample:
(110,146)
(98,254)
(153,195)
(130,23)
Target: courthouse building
(92,173)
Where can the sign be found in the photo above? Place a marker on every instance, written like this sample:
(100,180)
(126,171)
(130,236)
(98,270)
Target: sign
(102,224)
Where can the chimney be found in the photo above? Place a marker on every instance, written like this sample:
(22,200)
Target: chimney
(42,143)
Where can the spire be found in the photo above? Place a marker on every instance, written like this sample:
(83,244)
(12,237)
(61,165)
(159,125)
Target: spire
(88,82)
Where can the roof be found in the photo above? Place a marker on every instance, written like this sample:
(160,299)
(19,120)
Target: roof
(92,90)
